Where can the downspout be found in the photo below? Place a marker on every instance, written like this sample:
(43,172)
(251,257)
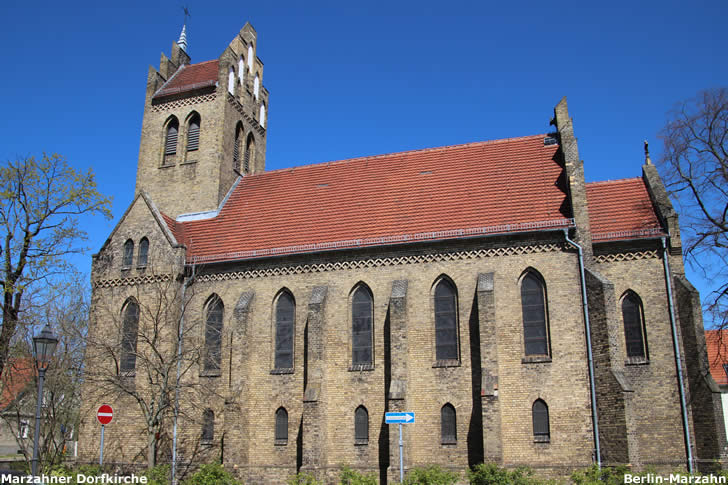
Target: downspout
(592,389)
(678,360)
(188,282)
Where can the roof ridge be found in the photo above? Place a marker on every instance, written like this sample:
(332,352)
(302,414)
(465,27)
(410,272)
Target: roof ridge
(179,70)
(604,182)
(406,152)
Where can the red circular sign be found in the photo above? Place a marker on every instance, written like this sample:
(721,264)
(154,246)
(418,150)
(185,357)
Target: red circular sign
(105,414)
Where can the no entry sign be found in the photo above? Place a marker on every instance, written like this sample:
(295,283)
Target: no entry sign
(105,414)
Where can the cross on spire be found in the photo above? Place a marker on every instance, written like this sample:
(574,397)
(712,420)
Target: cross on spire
(182,42)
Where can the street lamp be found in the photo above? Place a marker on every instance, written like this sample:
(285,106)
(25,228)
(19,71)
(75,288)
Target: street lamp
(44,344)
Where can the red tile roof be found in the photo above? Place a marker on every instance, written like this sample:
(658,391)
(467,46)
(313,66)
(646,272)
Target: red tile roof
(17,374)
(621,209)
(190,77)
(717,343)
(456,191)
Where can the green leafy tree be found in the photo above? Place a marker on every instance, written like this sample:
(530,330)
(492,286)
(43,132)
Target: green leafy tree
(41,201)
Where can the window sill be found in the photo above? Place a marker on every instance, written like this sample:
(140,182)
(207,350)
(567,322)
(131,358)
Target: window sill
(281,371)
(141,267)
(126,268)
(206,443)
(536,359)
(446,363)
(127,373)
(541,439)
(361,367)
(449,442)
(280,443)
(361,442)
(637,361)
(167,165)
(211,373)
(189,162)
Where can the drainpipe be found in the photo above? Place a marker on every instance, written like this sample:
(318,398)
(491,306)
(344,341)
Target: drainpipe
(678,361)
(188,282)
(592,389)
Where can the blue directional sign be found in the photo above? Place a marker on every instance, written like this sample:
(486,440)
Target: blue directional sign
(399,418)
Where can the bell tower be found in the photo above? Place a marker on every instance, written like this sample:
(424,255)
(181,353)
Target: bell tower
(204,126)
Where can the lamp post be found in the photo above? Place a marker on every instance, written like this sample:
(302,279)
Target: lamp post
(44,344)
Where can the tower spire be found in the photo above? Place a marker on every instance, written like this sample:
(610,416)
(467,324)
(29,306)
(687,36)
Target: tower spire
(182,42)
(648,161)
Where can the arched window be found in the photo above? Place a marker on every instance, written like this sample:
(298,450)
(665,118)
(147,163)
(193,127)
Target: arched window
(256,86)
(143,252)
(241,68)
(193,133)
(361,426)
(170,142)
(281,432)
(446,321)
(231,80)
(213,334)
(535,319)
(634,325)
(448,424)
(540,413)
(237,147)
(262,115)
(128,258)
(208,425)
(250,57)
(361,327)
(285,315)
(129,332)
(249,153)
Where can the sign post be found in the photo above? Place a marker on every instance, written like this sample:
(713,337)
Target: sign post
(400,418)
(105,414)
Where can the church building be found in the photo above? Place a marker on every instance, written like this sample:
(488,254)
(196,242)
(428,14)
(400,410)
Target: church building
(524,316)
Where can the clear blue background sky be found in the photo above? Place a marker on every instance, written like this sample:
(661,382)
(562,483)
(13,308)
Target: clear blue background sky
(349,80)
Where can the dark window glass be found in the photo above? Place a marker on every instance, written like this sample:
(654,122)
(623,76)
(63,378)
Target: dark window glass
(361,425)
(170,144)
(213,335)
(128,253)
(361,323)
(285,311)
(533,304)
(281,425)
(446,332)
(540,413)
(208,425)
(130,329)
(193,134)
(143,252)
(633,326)
(448,424)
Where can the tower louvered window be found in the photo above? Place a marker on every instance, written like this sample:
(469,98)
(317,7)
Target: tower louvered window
(213,335)
(634,326)
(170,144)
(128,253)
(249,153)
(285,313)
(361,327)
(193,134)
(533,306)
(446,332)
(143,252)
(130,329)
(237,147)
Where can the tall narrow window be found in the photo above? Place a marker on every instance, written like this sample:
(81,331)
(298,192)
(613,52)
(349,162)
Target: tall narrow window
(193,133)
(446,331)
(256,87)
(533,305)
(448,424)
(213,334)
(250,57)
(281,432)
(128,254)
(249,153)
(170,142)
(143,252)
(241,68)
(361,426)
(361,327)
(540,413)
(231,80)
(285,314)
(262,115)
(634,326)
(208,425)
(129,332)
(237,147)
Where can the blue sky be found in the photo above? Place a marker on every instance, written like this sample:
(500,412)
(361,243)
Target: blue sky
(353,79)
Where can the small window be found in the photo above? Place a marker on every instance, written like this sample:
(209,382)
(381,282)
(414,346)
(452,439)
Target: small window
(213,334)
(193,133)
(281,432)
(533,306)
(448,427)
(241,67)
(361,327)
(285,315)
(250,57)
(361,426)
(170,142)
(446,330)
(231,80)
(634,328)
(143,252)
(249,153)
(540,413)
(262,115)
(129,332)
(128,254)
(256,86)
(208,425)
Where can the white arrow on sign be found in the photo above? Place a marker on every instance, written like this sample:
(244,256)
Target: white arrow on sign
(401,418)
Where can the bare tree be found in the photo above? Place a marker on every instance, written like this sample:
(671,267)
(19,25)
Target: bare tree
(41,201)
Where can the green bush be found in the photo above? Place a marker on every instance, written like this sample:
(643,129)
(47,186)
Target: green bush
(492,474)
(303,478)
(158,475)
(595,476)
(431,475)
(347,476)
(213,474)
